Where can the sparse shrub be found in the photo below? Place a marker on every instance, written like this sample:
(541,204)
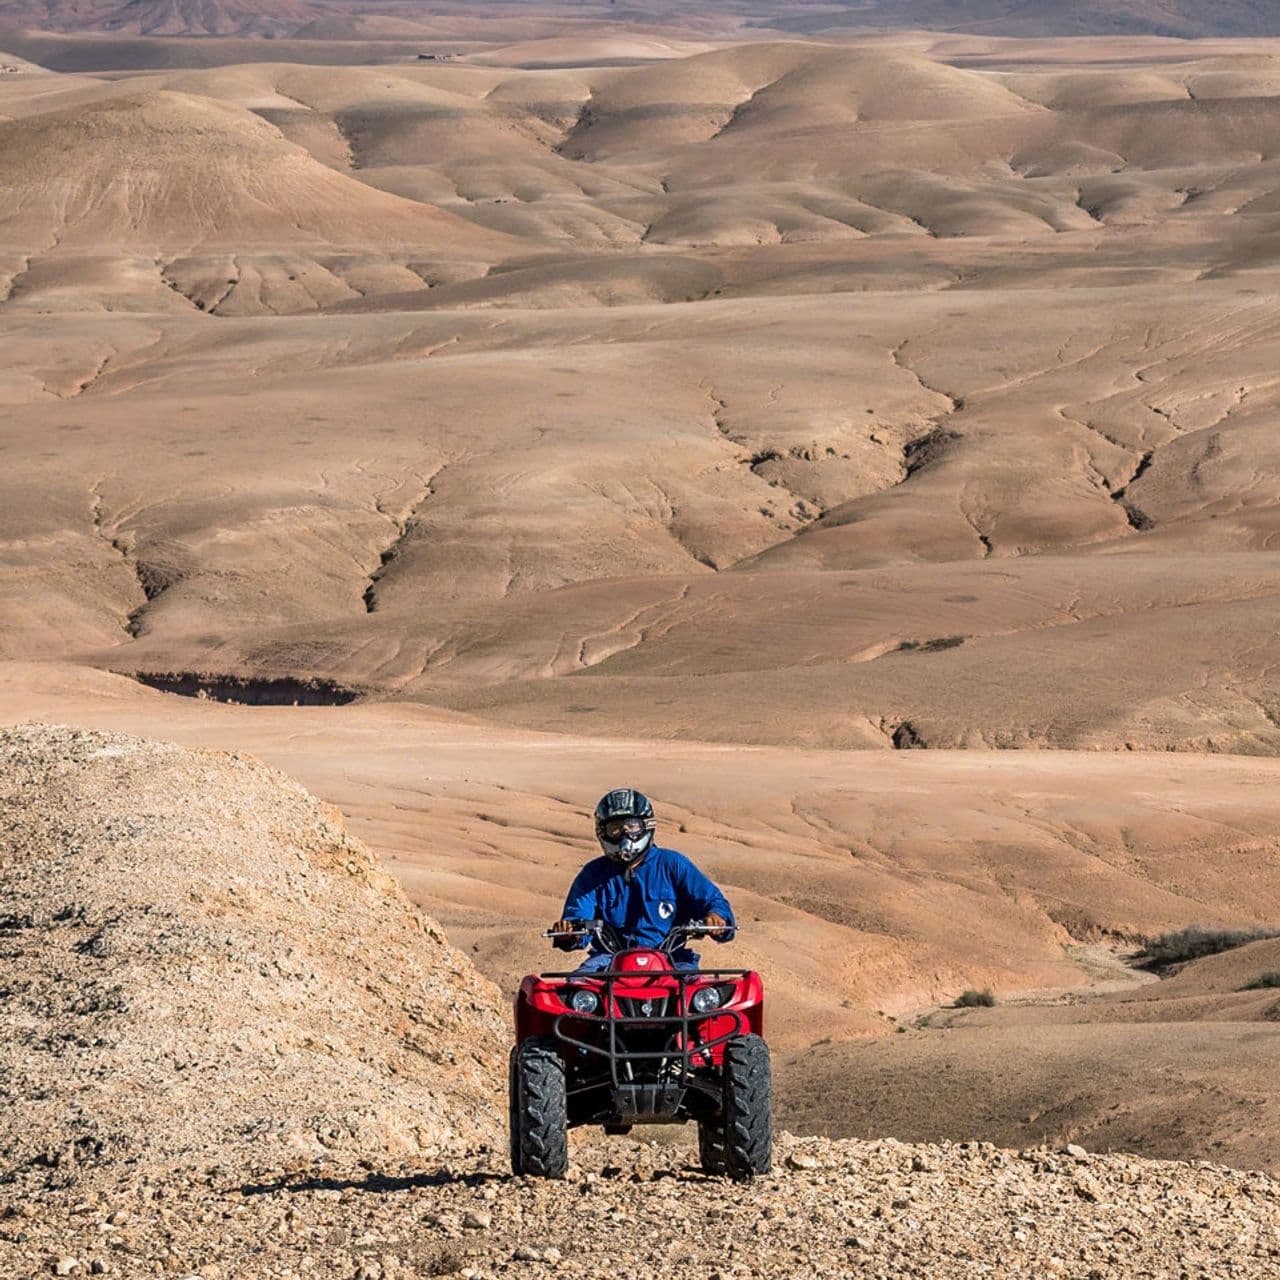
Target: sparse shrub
(447,1260)
(931,646)
(1198,940)
(975,999)
(1263,981)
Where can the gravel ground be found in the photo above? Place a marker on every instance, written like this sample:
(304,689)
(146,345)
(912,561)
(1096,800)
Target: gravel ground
(639,1210)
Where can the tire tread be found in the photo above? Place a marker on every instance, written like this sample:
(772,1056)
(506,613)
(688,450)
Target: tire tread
(748,1097)
(711,1146)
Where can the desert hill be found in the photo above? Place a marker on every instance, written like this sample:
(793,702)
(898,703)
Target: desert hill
(167,168)
(184,190)
(196,950)
(1102,1072)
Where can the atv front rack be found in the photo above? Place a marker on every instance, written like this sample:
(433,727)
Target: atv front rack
(649,1100)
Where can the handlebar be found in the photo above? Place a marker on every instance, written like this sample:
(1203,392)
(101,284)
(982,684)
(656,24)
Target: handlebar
(611,940)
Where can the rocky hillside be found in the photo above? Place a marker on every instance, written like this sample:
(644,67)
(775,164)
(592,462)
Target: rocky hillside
(230,1048)
(200,967)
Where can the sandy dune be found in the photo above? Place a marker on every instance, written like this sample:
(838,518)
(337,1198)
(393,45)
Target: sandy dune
(689,404)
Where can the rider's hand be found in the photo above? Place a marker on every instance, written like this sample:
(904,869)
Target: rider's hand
(564,927)
(715,920)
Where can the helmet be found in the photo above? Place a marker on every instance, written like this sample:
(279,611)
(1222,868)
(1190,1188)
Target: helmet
(624,825)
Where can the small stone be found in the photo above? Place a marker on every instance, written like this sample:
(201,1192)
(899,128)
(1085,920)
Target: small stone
(66,1266)
(1076,1152)
(802,1160)
(1087,1190)
(551,1254)
(477,1220)
(526,1253)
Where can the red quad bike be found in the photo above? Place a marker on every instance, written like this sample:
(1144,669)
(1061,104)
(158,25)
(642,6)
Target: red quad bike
(641,1042)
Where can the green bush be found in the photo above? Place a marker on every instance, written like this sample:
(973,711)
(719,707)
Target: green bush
(1263,982)
(1198,940)
(975,999)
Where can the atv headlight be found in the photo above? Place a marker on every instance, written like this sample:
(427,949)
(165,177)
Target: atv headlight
(584,1001)
(706,999)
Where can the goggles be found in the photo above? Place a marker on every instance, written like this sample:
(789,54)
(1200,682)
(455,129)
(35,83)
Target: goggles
(617,828)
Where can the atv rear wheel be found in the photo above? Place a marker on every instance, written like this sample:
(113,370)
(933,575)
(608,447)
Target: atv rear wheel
(748,1097)
(538,1110)
(711,1152)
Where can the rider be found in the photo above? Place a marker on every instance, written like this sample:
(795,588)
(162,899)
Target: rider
(640,888)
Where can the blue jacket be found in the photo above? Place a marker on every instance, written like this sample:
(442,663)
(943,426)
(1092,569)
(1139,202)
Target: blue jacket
(664,889)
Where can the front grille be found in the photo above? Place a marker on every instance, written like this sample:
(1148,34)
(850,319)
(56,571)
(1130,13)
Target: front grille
(649,1008)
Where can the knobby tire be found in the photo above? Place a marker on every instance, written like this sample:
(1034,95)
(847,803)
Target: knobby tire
(539,1111)
(748,1099)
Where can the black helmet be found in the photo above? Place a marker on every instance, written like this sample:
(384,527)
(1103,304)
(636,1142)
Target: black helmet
(624,825)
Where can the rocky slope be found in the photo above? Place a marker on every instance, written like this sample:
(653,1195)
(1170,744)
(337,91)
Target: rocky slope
(197,962)
(231,1048)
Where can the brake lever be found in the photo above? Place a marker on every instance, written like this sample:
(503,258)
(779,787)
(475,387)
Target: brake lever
(588,928)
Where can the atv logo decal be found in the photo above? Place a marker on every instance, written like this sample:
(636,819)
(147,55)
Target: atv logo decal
(666,910)
(642,960)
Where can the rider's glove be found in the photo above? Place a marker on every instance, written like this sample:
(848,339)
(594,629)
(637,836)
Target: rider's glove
(563,944)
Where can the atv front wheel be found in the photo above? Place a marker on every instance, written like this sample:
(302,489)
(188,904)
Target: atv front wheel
(538,1110)
(748,1097)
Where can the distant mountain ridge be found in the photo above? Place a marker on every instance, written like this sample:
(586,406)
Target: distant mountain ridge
(1179,18)
(163,17)
(1187,19)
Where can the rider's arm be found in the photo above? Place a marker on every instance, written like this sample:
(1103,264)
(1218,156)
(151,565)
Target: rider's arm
(700,896)
(582,902)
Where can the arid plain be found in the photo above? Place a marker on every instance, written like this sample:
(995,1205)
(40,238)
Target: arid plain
(864,442)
